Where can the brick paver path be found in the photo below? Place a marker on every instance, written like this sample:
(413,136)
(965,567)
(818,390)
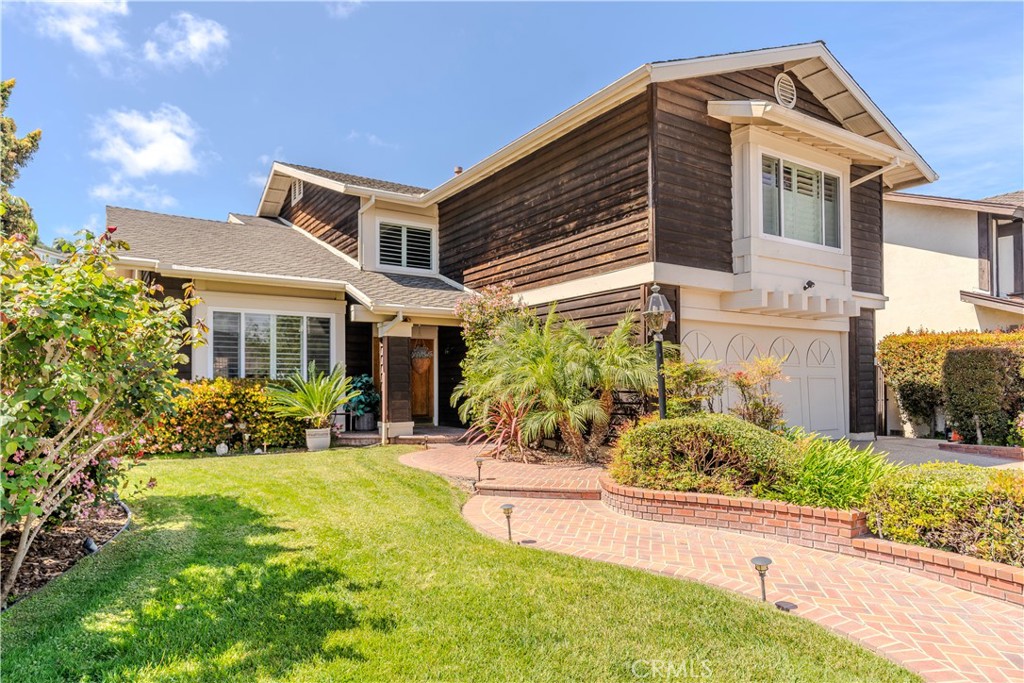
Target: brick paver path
(941,632)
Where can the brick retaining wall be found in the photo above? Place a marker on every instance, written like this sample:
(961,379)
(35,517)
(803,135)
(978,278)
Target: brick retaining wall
(1011,452)
(840,531)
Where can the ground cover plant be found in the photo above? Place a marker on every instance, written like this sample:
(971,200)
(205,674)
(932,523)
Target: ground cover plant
(833,474)
(257,568)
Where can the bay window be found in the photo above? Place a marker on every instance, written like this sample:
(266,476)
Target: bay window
(799,203)
(269,345)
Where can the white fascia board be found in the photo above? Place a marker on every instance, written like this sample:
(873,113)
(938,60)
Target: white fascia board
(134,262)
(763,111)
(258,278)
(603,100)
(955,203)
(359,191)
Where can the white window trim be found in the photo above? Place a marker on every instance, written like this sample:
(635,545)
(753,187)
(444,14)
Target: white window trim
(273,335)
(749,144)
(406,223)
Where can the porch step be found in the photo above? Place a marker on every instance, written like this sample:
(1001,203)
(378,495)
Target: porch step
(508,489)
(357,439)
(430,438)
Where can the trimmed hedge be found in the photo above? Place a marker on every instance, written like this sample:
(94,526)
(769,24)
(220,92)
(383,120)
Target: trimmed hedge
(706,452)
(984,390)
(912,363)
(962,508)
(209,412)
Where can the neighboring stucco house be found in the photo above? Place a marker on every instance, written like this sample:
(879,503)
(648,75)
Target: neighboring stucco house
(749,186)
(951,264)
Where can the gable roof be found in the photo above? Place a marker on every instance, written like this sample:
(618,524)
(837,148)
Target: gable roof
(998,208)
(812,63)
(270,252)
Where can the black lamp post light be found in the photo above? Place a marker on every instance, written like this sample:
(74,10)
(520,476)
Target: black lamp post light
(761,564)
(507,509)
(657,316)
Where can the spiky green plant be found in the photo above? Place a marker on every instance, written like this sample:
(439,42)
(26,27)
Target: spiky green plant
(313,398)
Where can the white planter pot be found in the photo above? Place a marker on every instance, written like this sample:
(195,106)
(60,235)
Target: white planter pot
(318,439)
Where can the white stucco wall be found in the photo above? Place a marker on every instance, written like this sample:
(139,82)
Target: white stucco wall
(930,255)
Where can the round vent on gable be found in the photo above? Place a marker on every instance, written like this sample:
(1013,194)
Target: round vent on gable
(785,90)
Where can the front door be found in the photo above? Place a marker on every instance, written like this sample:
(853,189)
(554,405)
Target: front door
(422,361)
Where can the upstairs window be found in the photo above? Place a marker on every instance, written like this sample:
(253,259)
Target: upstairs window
(799,203)
(269,345)
(297,189)
(406,247)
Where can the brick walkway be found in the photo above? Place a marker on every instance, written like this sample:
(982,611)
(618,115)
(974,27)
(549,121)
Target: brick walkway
(941,632)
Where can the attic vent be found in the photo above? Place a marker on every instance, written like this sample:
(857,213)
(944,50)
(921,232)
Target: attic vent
(785,90)
(296,191)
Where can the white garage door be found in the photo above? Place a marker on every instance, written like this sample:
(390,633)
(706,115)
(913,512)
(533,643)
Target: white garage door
(813,398)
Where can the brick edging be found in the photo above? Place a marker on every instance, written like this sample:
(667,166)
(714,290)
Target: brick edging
(839,531)
(1009,452)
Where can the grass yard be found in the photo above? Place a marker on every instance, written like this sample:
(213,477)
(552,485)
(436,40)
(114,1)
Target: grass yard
(345,565)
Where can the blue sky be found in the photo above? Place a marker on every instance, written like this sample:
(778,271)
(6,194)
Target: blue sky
(181,107)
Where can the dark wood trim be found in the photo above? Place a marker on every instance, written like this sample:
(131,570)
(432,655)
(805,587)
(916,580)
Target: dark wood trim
(397,371)
(863,380)
(985,252)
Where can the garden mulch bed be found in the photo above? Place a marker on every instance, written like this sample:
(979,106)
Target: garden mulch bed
(57,550)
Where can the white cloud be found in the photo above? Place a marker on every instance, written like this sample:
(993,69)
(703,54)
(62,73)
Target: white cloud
(90,26)
(256,179)
(138,144)
(119,191)
(187,39)
(342,10)
(369,138)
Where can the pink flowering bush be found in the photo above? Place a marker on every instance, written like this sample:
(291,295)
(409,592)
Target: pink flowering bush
(89,360)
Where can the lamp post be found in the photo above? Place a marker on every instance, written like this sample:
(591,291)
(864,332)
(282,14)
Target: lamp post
(657,316)
(507,509)
(761,565)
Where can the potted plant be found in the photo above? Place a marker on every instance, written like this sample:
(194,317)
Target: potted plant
(365,405)
(421,356)
(314,399)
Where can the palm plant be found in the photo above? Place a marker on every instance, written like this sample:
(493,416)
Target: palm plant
(313,398)
(621,364)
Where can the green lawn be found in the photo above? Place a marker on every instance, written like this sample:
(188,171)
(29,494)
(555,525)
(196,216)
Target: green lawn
(345,565)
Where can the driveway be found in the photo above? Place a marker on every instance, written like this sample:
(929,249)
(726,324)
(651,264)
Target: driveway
(917,451)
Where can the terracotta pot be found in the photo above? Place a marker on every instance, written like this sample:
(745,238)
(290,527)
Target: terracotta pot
(420,365)
(318,439)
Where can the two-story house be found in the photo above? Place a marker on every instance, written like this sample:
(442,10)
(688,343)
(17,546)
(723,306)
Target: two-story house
(950,264)
(749,186)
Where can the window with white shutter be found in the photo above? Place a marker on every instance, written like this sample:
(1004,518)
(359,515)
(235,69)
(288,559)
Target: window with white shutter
(297,190)
(269,345)
(799,203)
(406,246)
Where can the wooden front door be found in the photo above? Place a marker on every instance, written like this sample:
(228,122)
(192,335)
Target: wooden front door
(422,361)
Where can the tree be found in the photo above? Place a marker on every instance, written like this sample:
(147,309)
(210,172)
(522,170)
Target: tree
(89,358)
(17,214)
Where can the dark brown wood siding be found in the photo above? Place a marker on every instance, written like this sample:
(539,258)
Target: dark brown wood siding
(866,232)
(398,371)
(359,348)
(176,287)
(327,215)
(451,351)
(692,164)
(863,387)
(601,312)
(576,207)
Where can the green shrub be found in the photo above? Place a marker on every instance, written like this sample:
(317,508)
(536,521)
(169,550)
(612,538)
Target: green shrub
(983,388)
(703,452)
(966,509)
(209,412)
(912,365)
(833,474)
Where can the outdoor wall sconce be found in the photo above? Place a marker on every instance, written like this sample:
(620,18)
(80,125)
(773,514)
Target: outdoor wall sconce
(479,468)
(809,285)
(657,316)
(507,509)
(761,565)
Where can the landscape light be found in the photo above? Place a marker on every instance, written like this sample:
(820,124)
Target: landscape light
(761,564)
(507,509)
